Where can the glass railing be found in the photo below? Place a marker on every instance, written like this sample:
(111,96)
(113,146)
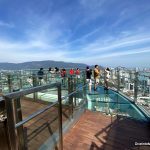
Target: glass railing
(112,103)
(133,84)
(24,79)
(37,117)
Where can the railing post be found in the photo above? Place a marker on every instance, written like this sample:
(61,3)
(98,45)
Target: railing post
(70,90)
(9,83)
(71,97)
(118,80)
(135,87)
(46,78)
(11,123)
(65,79)
(34,79)
(20,82)
(20,130)
(84,82)
(60,118)
(75,81)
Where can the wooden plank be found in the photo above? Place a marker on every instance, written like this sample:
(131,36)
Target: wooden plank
(96,131)
(43,126)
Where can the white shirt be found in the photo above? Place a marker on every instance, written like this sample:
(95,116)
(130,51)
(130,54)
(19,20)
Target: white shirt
(107,74)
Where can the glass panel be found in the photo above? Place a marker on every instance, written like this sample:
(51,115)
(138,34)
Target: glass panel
(112,103)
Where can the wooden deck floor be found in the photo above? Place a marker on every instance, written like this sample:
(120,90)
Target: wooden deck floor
(95,131)
(39,129)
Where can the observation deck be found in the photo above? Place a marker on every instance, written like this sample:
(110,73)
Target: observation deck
(60,113)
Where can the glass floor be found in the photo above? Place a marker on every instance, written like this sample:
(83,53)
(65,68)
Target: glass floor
(111,103)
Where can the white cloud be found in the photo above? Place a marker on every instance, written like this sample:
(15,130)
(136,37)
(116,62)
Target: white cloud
(111,44)
(131,52)
(11,51)
(105,57)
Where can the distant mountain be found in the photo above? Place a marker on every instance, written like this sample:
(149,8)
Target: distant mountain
(39,64)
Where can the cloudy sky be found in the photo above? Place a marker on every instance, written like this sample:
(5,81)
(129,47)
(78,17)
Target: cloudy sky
(105,32)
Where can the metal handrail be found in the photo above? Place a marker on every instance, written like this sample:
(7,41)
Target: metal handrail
(144,75)
(31,90)
(34,115)
(11,119)
(19,126)
(44,109)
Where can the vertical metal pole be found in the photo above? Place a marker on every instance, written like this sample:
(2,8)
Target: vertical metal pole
(135,87)
(60,118)
(117,105)
(75,81)
(46,78)
(20,130)
(34,85)
(65,82)
(118,80)
(11,123)
(20,82)
(9,83)
(71,97)
(69,88)
(84,88)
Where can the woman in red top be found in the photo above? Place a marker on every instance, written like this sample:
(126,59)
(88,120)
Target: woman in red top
(78,73)
(71,72)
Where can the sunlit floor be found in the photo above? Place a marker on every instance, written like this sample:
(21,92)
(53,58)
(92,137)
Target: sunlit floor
(96,131)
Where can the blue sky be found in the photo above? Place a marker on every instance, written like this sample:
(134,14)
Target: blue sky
(105,32)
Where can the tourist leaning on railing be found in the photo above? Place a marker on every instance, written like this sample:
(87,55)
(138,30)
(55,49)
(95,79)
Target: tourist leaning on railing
(96,76)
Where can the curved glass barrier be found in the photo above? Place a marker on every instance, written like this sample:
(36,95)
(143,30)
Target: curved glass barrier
(112,103)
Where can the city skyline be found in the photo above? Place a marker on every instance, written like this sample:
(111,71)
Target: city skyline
(114,33)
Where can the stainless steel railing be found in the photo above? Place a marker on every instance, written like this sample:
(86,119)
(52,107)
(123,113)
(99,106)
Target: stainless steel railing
(15,126)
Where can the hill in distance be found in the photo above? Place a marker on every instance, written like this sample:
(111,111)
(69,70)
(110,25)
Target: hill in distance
(38,64)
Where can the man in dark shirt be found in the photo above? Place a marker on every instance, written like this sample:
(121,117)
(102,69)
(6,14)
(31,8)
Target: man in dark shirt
(40,74)
(88,77)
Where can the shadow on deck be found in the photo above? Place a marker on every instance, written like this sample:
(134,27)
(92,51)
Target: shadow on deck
(95,131)
(42,127)
(38,130)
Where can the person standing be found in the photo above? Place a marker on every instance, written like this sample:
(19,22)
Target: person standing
(96,76)
(77,73)
(63,75)
(30,81)
(56,70)
(107,76)
(71,72)
(88,77)
(40,75)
